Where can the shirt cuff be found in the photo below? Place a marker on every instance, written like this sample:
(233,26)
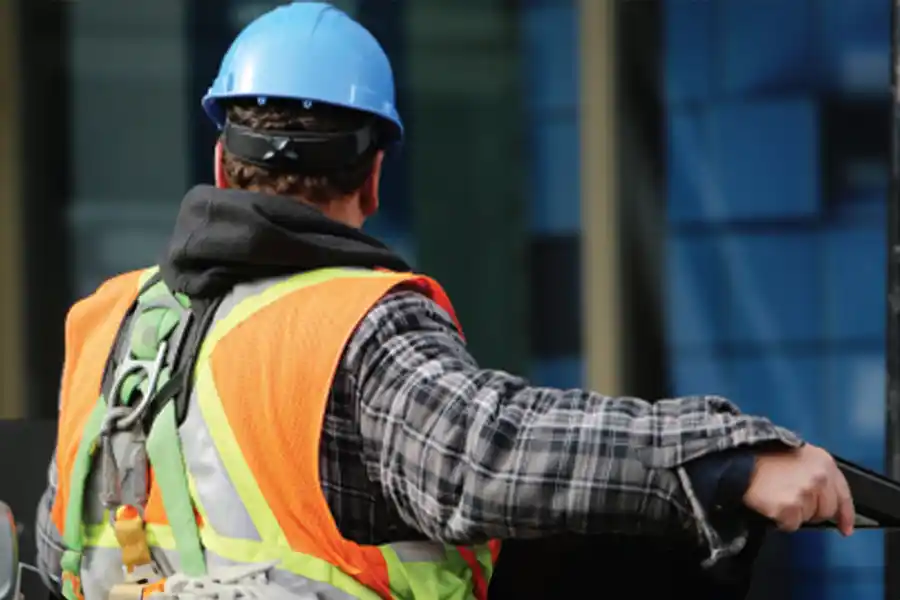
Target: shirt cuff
(715,485)
(720,480)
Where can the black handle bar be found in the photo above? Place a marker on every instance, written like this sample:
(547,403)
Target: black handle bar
(876,497)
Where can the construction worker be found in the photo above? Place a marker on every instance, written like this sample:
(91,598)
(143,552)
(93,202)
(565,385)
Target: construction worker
(283,407)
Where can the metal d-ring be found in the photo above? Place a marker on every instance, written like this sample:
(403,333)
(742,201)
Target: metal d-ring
(139,410)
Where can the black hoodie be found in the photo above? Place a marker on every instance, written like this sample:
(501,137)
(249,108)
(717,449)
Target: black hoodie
(226,237)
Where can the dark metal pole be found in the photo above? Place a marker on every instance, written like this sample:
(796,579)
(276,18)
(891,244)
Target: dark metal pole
(47,184)
(892,540)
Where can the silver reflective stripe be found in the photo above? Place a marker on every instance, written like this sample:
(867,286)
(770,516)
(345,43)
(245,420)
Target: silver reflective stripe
(410,552)
(216,493)
(296,584)
(102,569)
(241,293)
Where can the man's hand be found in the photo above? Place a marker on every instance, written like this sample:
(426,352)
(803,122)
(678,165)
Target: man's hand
(803,485)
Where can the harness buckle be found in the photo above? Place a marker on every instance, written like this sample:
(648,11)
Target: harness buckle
(122,418)
(132,538)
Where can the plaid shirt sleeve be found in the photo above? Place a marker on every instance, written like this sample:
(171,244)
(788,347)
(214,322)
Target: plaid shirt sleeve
(468,454)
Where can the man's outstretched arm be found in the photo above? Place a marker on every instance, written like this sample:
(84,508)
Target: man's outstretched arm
(468,454)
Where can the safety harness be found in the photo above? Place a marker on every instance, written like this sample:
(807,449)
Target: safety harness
(134,427)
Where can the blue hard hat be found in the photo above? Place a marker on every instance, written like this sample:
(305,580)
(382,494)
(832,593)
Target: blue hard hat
(307,51)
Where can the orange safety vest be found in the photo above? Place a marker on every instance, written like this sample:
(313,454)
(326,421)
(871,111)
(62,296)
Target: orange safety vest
(250,444)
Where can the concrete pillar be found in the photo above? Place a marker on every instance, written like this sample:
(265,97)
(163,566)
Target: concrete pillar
(601,260)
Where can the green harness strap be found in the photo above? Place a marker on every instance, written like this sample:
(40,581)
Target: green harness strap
(157,315)
(73,536)
(167,459)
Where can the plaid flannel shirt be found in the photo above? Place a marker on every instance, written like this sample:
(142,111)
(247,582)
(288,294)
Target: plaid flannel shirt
(420,442)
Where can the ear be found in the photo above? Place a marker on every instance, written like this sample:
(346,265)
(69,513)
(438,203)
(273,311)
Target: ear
(369,199)
(218,169)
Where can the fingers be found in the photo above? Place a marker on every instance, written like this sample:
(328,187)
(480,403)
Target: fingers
(846,511)
(819,498)
(824,496)
(827,503)
(801,486)
(790,519)
(833,500)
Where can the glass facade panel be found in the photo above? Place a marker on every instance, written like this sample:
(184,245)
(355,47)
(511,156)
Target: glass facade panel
(776,116)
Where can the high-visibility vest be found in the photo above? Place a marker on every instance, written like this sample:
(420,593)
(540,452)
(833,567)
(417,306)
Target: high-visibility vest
(249,489)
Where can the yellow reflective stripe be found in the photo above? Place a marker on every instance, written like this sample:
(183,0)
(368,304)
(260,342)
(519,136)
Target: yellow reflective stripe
(146,275)
(251,551)
(238,471)
(273,544)
(249,306)
(195,497)
(240,551)
(99,535)
(214,414)
(486,560)
(103,536)
(304,565)
(449,579)
(161,536)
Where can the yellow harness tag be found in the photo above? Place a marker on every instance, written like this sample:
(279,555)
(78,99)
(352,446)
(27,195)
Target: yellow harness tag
(129,530)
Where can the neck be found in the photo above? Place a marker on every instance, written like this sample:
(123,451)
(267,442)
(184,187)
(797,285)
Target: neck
(343,210)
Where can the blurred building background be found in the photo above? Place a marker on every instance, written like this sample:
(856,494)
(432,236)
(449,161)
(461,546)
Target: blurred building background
(777,148)
(647,197)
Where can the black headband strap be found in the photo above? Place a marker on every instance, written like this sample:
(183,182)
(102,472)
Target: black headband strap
(305,151)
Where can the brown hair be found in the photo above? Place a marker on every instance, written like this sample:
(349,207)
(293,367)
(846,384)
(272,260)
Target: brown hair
(290,115)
